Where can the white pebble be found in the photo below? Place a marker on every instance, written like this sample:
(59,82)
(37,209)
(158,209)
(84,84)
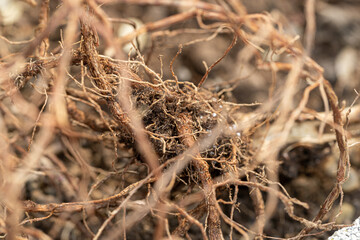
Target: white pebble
(125,29)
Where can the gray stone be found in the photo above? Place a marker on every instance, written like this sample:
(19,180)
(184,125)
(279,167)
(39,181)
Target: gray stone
(348,233)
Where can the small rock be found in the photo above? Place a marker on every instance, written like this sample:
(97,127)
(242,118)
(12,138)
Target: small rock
(352,232)
(347,214)
(125,29)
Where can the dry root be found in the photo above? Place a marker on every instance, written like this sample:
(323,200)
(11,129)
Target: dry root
(99,145)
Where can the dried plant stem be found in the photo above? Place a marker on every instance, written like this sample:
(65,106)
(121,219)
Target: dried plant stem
(233,42)
(43,21)
(184,3)
(259,206)
(30,206)
(190,218)
(310,26)
(202,168)
(343,165)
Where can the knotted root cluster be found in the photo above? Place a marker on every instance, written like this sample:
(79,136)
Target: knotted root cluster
(103,146)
